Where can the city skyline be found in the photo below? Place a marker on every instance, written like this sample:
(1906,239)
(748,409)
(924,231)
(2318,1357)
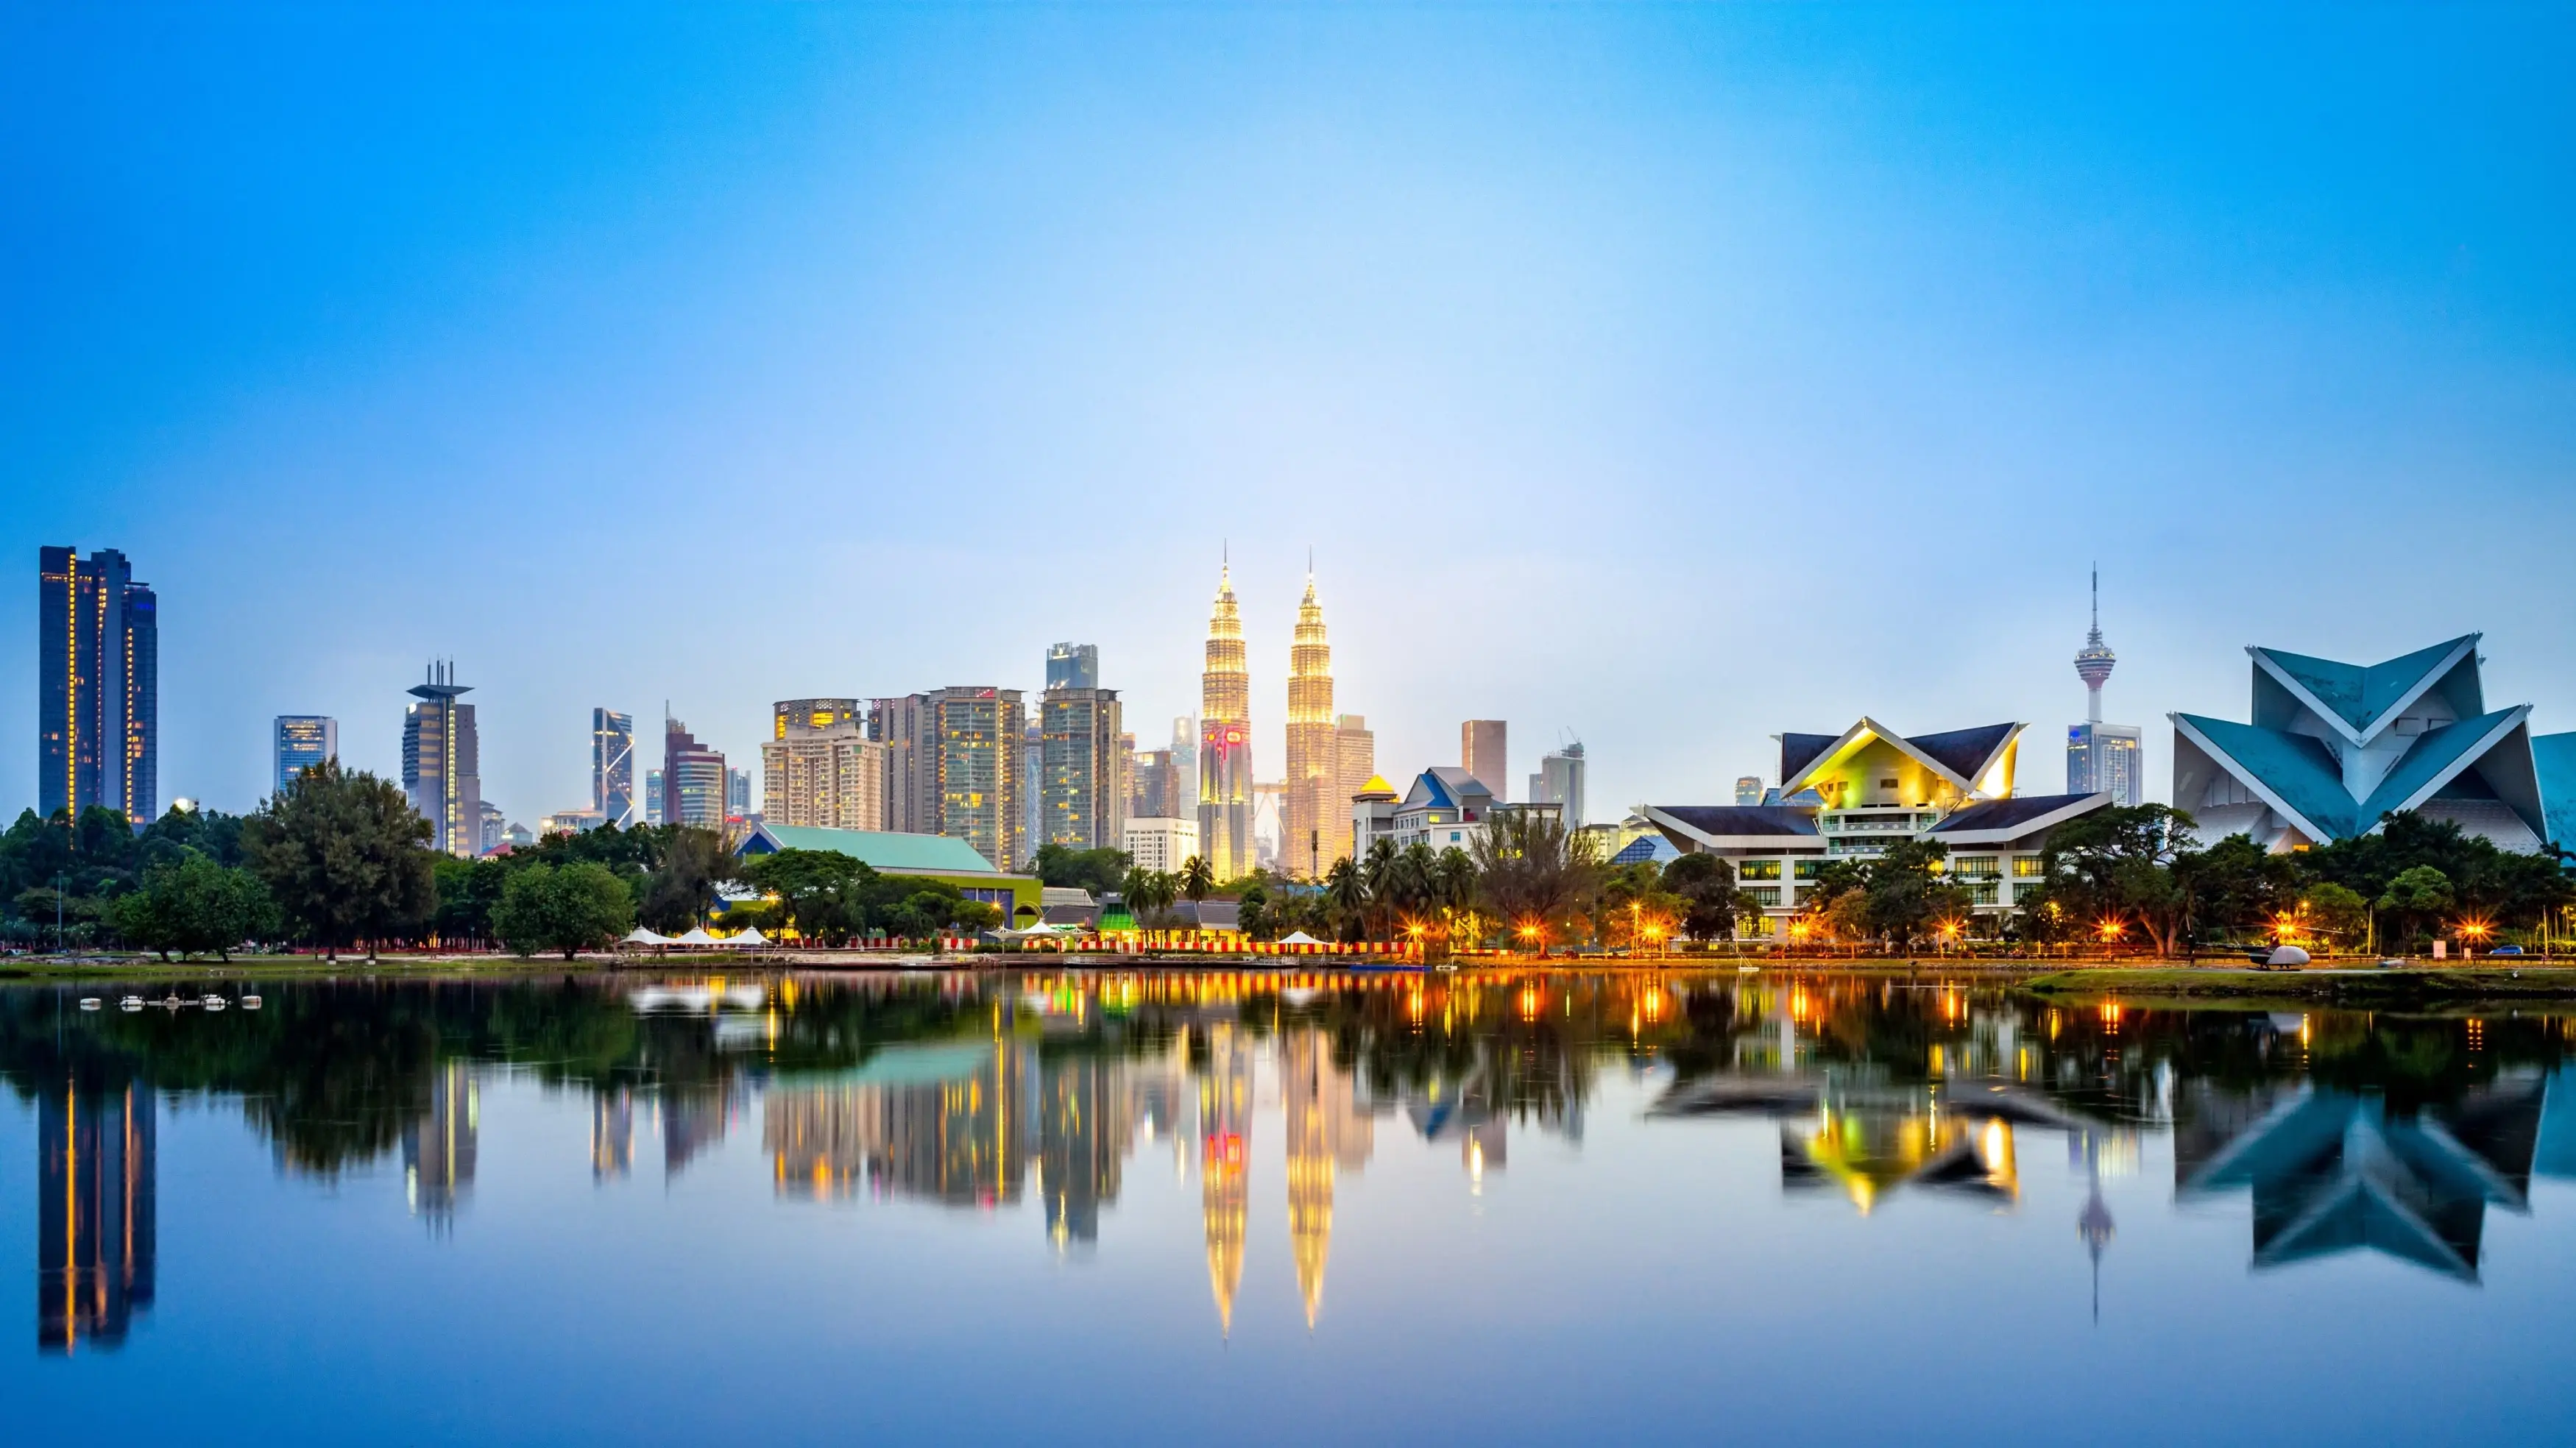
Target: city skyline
(1653,262)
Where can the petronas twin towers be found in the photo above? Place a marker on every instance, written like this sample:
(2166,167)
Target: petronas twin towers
(1315,832)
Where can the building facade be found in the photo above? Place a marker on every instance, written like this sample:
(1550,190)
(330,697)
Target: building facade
(814,714)
(1559,782)
(98,650)
(612,766)
(1185,762)
(298,742)
(1484,753)
(442,768)
(1225,742)
(832,777)
(653,797)
(1082,802)
(1073,666)
(1160,843)
(737,793)
(1354,765)
(694,783)
(1748,789)
(2102,758)
(1312,837)
(954,767)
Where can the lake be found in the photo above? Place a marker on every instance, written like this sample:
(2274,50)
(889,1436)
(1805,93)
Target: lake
(1254,1207)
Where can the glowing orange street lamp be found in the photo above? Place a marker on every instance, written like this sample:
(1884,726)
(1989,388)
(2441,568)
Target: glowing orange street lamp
(2111,929)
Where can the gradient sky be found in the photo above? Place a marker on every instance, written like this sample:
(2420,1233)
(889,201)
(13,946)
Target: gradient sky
(1669,376)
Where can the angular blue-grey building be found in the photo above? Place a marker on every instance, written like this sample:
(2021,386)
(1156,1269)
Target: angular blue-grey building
(2332,747)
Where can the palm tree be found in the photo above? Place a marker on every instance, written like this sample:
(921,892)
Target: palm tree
(1533,871)
(1346,895)
(1196,879)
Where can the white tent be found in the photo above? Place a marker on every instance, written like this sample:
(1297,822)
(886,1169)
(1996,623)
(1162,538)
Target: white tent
(697,936)
(1299,937)
(641,936)
(751,936)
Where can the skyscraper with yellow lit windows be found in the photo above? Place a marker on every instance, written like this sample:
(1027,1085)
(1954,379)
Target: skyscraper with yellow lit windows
(1225,742)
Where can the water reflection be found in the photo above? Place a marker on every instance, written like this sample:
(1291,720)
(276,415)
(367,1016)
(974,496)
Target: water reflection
(2345,1132)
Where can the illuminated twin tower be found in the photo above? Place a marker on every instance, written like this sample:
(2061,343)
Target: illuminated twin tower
(1323,750)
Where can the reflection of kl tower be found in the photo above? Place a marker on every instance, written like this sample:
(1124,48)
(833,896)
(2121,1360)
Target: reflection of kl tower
(2094,1224)
(94,1215)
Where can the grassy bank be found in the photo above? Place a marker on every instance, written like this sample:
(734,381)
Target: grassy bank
(2361,987)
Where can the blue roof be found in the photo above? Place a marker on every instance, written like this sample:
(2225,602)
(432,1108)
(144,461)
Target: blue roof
(1797,751)
(2003,814)
(2293,766)
(2362,696)
(1963,751)
(1645,848)
(2555,757)
(879,850)
(1742,819)
(2433,752)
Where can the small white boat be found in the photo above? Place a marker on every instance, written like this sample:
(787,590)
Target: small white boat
(250,1003)
(213,1002)
(89,1003)
(131,1003)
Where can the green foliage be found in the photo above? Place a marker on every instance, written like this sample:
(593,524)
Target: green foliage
(824,894)
(2416,900)
(1705,886)
(2510,889)
(568,908)
(1098,871)
(344,856)
(193,905)
(1196,879)
(689,864)
(2335,912)
(467,892)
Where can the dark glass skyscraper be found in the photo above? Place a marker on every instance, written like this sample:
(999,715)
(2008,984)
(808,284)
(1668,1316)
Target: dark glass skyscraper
(612,766)
(98,651)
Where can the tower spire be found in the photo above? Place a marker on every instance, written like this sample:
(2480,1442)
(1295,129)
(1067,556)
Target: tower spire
(2093,664)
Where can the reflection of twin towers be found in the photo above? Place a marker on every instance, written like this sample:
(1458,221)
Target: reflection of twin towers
(971,1125)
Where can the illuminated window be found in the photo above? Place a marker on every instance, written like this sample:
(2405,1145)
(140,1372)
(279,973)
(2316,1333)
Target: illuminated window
(1767,896)
(1809,869)
(2026,867)
(1973,865)
(1758,870)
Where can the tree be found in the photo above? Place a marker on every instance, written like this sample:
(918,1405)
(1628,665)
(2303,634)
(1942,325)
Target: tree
(2233,887)
(1197,881)
(2116,865)
(1098,871)
(1907,895)
(467,891)
(681,887)
(570,908)
(1253,916)
(1345,895)
(2419,896)
(1533,873)
(2334,912)
(1705,884)
(822,893)
(344,856)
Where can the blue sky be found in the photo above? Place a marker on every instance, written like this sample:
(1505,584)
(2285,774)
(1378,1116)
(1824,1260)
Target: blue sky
(1667,375)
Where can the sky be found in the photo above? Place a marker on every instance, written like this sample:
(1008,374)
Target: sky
(1662,376)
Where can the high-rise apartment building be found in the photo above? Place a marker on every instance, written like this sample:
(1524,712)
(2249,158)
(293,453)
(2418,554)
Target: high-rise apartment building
(98,669)
(1559,781)
(1354,764)
(442,767)
(1032,780)
(814,714)
(1316,829)
(612,766)
(2102,757)
(1082,792)
(694,783)
(1225,742)
(1748,789)
(953,768)
(1481,752)
(830,778)
(653,797)
(1073,666)
(299,742)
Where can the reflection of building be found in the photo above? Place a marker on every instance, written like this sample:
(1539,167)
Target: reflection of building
(2333,746)
(1083,1126)
(693,1123)
(300,742)
(442,762)
(1326,1133)
(95,1171)
(1225,742)
(612,1134)
(1873,1139)
(1225,1161)
(98,738)
(950,1124)
(1314,836)
(2331,1171)
(438,1145)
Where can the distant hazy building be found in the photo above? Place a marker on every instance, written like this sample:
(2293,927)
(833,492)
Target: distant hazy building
(1559,782)
(1032,781)
(1073,666)
(1160,843)
(98,669)
(1354,761)
(1748,789)
(1312,837)
(300,741)
(1185,763)
(1225,742)
(570,822)
(693,779)
(442,762)
(2102,758)
(491,829)
(612,765)
(1082,799)
(1482,752)
(1152,787)
(833,778)
(953,767)
(737,793)
(814,714)
(653,797)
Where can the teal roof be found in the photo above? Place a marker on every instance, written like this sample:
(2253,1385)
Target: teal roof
(928,854)
(2357,695)
(2292,766)
(2554,755)
(2434,752)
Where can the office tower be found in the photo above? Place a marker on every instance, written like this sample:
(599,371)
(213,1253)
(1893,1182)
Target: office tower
(1154,792)
(1225,742)
(953,767)
(1311,840)
(1127,762)
(1748,789)
(693,779)
(737,793)
(441,762)
(1032,780)
(1082,796)
(612,766)
(814,714)
(98,685)
(1354,764)
(96,1244)
(1185,763)
(1073,666)
(1481,752)
(831,778)
(439,1146)
(1160,843)
(2101,757)
(299,742)
(1559,781)
(653,797)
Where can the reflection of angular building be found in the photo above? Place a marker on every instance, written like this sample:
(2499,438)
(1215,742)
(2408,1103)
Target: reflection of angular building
(948,1123)
(1326,1134)
(2332,747)
(95,1170)
(693,1123)
(612,1134)
(1083,1125)
(1225,742)
(438,1145)
(2331,1171)
(1225,1152)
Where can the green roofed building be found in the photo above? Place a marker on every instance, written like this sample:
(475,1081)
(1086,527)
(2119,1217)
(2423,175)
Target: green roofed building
(2332,747)
(941,858)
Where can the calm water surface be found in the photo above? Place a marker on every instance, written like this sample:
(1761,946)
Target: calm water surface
(1128,1208)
